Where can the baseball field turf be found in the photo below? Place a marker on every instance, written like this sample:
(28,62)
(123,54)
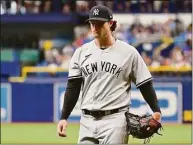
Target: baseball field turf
(46,133)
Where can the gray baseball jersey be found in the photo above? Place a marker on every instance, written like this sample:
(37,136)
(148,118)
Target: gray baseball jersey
(107,74)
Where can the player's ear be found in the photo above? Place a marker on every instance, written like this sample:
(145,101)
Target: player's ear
(111,22)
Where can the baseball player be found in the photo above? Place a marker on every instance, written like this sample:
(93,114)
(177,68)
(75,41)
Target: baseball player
(102,70)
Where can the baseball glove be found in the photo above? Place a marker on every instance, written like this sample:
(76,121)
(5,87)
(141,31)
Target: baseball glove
(142,127)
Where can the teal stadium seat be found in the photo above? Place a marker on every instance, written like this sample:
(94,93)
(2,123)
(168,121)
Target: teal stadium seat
(29,56)
(7,55)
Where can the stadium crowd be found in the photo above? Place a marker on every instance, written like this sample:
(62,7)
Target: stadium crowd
(167,43)
(68,6)
(159,44)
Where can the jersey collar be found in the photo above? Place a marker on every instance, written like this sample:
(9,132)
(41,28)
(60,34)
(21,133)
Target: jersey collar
(106,50)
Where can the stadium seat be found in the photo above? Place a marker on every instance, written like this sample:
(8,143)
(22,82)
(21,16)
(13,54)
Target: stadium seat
(7,55)
(29,55)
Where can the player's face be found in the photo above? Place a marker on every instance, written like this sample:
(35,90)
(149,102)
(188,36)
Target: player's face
(100,29)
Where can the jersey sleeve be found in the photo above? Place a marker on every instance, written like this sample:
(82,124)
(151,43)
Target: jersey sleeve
(74,67)
(140,72)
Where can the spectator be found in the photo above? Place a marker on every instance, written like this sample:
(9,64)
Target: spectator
(142,6)
(67,54)
(82,6)
(47,6)
(149,6)
(20,7)
(58,56)
(32,6)
(66,9)
(49,58)
(179,28)
(165,6)
(187,6)
(146,58)
(13,7)
(177,58)
(48,62)
(157,5)
(119,5)
(2,8)
(66,6)
(127,6)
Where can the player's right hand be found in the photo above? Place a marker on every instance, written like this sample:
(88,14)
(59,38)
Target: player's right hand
(157,116)
(61,128)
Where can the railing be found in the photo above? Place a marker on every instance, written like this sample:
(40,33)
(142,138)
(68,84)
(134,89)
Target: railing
(166,68)
(29,69)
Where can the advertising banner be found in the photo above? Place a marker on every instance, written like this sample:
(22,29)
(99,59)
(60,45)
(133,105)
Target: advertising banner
(32,102)
(5,102)
(59,90)
(169,97)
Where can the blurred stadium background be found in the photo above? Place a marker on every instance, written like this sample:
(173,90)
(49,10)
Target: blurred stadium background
(39,37)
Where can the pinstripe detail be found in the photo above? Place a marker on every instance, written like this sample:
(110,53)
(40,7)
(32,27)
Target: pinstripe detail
(144,82)
(74,77)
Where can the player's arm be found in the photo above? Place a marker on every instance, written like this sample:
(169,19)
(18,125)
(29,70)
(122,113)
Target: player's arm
(150,96)
(73,85)
(72,92)
(70,99)
(71,96)
(143,80)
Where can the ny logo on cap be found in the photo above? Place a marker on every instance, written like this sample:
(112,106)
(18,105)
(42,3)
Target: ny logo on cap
(96,12)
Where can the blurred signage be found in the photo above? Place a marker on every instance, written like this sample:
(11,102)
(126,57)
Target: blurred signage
(59,91)
(170,101)
(169,97)
(5,102)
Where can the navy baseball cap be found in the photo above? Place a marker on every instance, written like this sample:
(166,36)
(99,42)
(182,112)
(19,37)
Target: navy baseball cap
(100,13)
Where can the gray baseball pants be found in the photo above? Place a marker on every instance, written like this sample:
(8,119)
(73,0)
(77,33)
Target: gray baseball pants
(110,129)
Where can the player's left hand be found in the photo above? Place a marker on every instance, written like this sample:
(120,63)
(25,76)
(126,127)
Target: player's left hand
(157,116)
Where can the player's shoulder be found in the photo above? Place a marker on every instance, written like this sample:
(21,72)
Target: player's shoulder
(85,47)
(126,47)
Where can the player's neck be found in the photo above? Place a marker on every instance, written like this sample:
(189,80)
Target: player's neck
(105,42)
